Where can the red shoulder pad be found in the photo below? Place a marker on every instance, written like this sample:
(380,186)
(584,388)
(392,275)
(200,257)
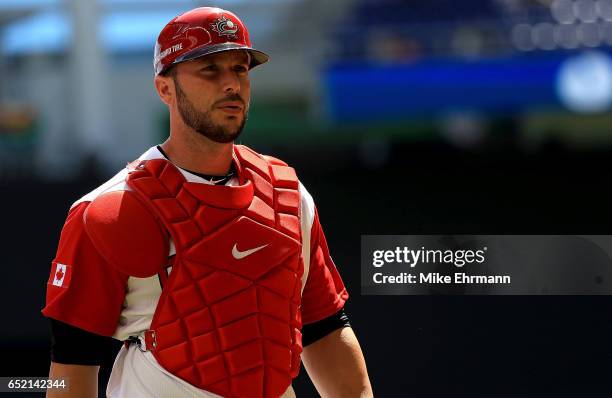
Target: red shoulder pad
(127,234)
(274,161)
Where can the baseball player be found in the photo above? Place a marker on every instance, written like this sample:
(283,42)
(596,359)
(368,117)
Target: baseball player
(205,258)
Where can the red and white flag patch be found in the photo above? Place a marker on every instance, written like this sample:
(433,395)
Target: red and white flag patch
(60,276)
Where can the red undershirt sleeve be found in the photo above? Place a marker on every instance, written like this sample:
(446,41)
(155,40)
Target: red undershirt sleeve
(83,290)
(324,293)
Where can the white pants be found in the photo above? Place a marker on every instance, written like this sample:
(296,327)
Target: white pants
(137,374)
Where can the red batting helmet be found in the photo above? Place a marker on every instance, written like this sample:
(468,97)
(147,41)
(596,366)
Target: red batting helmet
(200,32)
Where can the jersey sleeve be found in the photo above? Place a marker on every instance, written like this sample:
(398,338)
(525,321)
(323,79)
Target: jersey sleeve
(324,293)
(83,290)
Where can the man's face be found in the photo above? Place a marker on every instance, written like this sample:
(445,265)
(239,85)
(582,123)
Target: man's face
(213,94)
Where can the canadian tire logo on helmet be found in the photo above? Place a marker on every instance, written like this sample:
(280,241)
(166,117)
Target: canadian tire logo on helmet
(225,27)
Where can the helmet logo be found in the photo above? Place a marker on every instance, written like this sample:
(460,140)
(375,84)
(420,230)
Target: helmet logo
(225,27)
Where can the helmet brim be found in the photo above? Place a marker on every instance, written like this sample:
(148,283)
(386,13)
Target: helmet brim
(257,57)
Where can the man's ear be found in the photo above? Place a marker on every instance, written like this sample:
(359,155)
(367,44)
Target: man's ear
(165,88)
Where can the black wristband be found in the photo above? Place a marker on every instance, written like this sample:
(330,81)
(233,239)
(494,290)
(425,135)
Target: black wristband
(72,345)
(317,330)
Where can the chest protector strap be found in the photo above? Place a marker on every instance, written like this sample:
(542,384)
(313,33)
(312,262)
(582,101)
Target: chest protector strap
(228,319)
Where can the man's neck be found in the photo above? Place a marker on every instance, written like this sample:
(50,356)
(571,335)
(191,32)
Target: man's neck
(200,155)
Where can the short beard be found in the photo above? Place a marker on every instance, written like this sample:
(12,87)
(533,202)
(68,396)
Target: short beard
(201,122)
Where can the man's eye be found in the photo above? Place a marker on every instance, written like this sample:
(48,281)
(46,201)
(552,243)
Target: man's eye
(209,68)
(241,68)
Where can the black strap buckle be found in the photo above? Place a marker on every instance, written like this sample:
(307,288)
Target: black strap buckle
(133,340)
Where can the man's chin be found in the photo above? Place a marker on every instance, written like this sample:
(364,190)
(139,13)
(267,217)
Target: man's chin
(222,135)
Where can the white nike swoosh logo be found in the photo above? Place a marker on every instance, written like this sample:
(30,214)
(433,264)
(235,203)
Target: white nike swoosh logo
(238,255)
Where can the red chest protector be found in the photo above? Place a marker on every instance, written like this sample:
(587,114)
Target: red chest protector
(228,319)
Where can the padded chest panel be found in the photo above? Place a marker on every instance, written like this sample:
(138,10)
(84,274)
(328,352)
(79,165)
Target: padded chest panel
(228,320)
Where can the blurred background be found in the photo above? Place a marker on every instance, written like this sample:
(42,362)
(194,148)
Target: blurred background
(400,116)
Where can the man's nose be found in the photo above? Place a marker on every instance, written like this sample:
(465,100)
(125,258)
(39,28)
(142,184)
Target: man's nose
(230,82)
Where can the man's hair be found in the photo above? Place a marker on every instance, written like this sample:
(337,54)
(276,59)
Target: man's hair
(171,71)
